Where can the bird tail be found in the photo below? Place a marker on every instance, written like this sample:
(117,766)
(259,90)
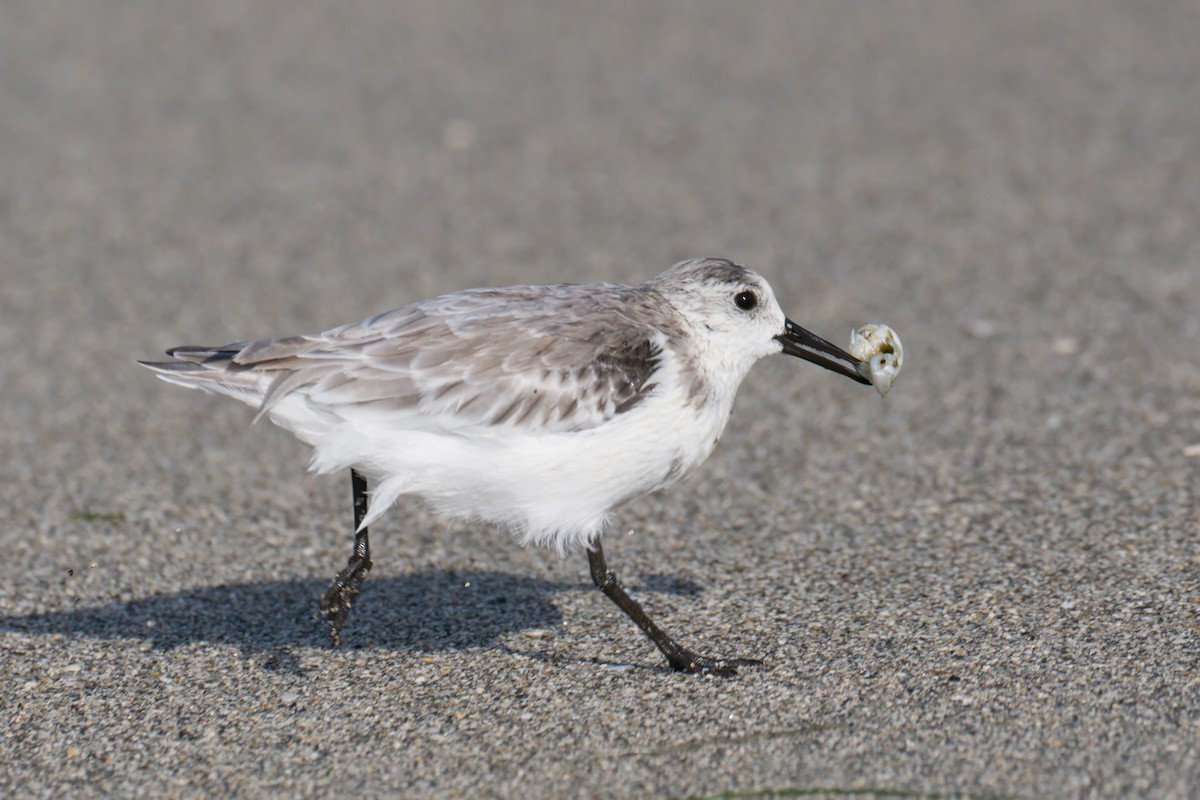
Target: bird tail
(211,369)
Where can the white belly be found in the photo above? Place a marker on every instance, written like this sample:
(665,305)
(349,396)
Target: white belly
(555,489)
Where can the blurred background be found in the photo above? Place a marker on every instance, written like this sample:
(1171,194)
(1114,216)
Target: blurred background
(1014,187)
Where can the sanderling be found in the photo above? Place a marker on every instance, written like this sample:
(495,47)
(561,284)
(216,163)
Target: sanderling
(539,408)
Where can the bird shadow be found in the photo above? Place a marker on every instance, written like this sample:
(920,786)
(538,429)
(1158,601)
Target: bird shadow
(427,611)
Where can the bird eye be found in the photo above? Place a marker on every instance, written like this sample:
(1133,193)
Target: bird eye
(745,300)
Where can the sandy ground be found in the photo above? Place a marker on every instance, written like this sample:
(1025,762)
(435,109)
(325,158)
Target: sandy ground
(984,586)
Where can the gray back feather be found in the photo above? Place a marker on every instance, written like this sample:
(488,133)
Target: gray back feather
(560,358)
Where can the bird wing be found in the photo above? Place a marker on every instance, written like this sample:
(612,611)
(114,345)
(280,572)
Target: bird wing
(553,358)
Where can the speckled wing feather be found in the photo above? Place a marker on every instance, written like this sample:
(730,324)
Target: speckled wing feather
(528,356)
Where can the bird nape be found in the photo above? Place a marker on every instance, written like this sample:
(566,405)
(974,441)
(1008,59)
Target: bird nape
(484,402)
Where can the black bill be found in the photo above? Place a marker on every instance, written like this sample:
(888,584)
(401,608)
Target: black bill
(803,344)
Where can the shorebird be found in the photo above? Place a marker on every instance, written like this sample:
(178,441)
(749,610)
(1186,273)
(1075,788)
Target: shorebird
(537,408)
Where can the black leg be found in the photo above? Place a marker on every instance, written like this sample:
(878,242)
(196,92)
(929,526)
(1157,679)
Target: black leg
(335,603)
(679,657)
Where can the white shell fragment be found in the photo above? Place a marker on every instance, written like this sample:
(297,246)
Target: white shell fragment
(879,348)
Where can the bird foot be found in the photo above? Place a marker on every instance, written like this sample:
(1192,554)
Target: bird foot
(693,664)
(337,599)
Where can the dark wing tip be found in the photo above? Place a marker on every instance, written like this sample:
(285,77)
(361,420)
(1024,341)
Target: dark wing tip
(191,352)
